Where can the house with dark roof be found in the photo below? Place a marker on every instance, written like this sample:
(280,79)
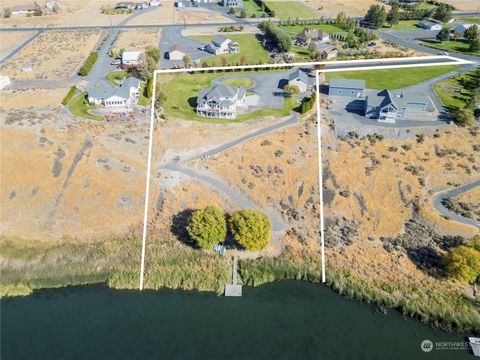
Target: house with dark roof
(221,45)
(220,101)
(108,95)
(430,25)
(346,87)
(388,106)
(307,35)
(301,80)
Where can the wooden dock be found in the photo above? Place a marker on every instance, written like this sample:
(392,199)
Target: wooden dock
(234,289)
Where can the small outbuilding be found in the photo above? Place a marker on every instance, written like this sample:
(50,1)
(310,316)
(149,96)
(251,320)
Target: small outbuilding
(130,59)
(176,52)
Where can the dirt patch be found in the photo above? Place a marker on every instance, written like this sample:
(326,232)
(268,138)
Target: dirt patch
(199,16)
(136,39)
(164,14)
(40,98)
(10,40)
(52,56)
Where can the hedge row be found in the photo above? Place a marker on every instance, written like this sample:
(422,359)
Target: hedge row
(308,105)
(69,95)
(85,69)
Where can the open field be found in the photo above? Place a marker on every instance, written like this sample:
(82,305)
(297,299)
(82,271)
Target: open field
(199,16)
(295,29)
(352,8)
(250,46)
(285,10)
(10,41)
(464,5)
(52,56)
(164,14)
(72,13)
(453,46)
(393,78)
(404,25)
(252,9)
(136,39)
(45,98)
(451,92)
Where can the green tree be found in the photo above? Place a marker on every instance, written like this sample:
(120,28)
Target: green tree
(393,16)
(231,11)
(208,226)
(251,229)
(312,48)
(475,44)
(186,60)
(465,117)
(243,14)
(149,87)
(7,13)
(376,16)
(442,13)
(147,65)
(463,263)
(443,35)
(153,52)
(291,89)
(471,33)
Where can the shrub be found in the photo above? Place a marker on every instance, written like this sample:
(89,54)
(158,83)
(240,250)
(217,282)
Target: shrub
(149,88)
(308,105)
(69,95)
(251,229)
(85,69)
(207,227)
(463,262)
(464,117)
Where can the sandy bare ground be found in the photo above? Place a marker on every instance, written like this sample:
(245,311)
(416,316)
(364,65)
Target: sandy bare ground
(52,56)
(70,179)
(72,13)
(136,39)
(352,8)
(465,5)
(199,16)
(10,41)
(164,14)
(209,30)
(40,98)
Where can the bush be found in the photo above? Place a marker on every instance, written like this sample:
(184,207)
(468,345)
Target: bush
(463,262)
(69,95)
(308,105)
(207,227)
(251,229)
(149,88)
(85,69)
(464,117)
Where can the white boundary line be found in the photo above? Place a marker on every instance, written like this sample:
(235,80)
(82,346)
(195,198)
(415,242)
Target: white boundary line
(454,61)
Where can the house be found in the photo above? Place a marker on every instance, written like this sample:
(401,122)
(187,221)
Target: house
(130,59)
(430,25)
(232,3)
(460,28)
(176,52)
(327,51)
(388,106)
(104,93)
(52,4)
(192,3)
(307,35)
(22,9)
(300,79)
(346,87)
(220,101)
(154,3)
(221,45)
(128,5)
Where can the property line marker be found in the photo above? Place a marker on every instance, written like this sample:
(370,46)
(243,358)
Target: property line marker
(454,61)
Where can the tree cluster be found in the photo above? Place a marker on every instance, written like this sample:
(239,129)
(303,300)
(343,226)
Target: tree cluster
(376,16)
(279,39)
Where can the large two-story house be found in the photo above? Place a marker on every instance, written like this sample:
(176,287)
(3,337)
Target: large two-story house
(220,101)
(308,35)
(221,45)
(108,95)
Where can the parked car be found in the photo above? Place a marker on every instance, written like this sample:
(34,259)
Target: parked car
(115,62)
(372,44)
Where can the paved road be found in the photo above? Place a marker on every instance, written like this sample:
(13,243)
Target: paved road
(20,47)
(437,204)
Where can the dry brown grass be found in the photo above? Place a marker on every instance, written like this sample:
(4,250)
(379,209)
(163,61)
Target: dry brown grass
(40,98)
(464,5)
(136,39)
(352,8)
(52,55)
(164,14)
(9,41)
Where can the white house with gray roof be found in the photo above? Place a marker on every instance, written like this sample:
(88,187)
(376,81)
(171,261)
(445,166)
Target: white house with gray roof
(221,45)
(300,79)
(220,101)
(108,95)
(388,106)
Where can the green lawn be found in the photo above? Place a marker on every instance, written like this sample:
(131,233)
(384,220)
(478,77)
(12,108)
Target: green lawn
(404,25)
(295,29)
(252,8)
(244,82)
(452,92)
(249,46)
(472,20)
(285,10)
(79,107)
(116,77)
(142,99)
(455,46)
(182,92)
(393,78)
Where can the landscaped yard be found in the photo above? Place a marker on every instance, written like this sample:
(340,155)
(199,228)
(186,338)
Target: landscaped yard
(252,8)
(393,78)
(455,46)
(452,92)
(116,77)
(475,20)
(182,92)
(79,107)
(295,29)
(249,46)
(285,10)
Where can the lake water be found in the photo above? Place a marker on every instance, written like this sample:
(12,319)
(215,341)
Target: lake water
(282,320)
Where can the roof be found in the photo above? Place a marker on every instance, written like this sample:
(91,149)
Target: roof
(219,39)
(25,7)
(398,99)
(131,55)
(298,73)
(429,23)
(218,92)
(176,47)
(124,90)
(309,33)
(104,89)
(347,83)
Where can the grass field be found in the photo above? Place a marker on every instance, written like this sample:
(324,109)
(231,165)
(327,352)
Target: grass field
(252,8)
(116,77)
(453,46)
(79,107)
(285,10)
(472,20)
(244,82)
(182,92)
(249,46)
(404,25)
(393,78)
(452,93)
(295,29)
